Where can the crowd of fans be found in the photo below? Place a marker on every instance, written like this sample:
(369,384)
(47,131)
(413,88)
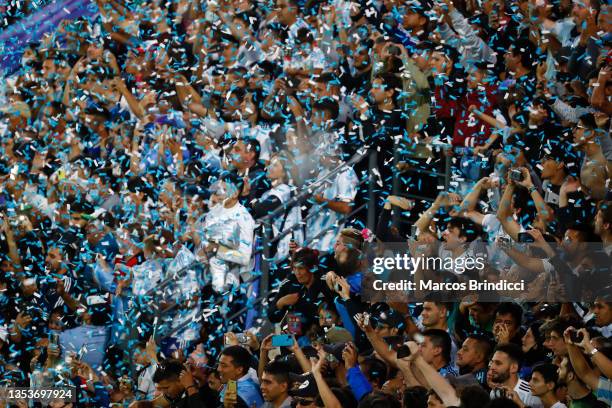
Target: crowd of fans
(141,151)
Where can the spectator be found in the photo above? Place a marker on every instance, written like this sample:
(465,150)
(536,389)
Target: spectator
(298,298)
(544,383)
(503,373)
(235,365)
(579,393)
(177,386)
(436,351)
(228,235)
(334,200)
(275,385)
(144,146)
(507,324)
(553,335)
(473,357)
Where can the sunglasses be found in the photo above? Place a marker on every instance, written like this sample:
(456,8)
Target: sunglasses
(303,402)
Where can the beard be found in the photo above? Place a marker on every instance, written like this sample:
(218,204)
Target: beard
(500,378)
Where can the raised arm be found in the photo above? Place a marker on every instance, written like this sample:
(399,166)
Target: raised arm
(439,384)
(504,213)
(468,205)
(132,102)
(328,397)
(422,224)
(13,252)
(578,360)
(379,344)
(490,120)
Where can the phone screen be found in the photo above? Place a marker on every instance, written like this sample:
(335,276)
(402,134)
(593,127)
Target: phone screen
(282,340)
(232,388)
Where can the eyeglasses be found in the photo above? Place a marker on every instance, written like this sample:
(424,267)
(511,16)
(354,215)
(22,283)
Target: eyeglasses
(303,402)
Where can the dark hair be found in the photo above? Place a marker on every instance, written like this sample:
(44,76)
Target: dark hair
(252,145)
(391,81)
(378,399)
(304,35)
(483,343)
(234,179)
(375,370)
(535,330)
(100,314)
(512,350)
(307,257)
(138,185)
(513,309)
(440,338)
(327,78)
(168,370)
(474,396)
(240,356)
(415,397)
(524,49)
(467,228)
(559,324)
(588,119)
(279,370)
(606,210)
(329,105)
(548,372)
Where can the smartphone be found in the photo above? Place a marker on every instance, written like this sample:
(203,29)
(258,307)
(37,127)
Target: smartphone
(576,337)
(403,351)
(516,175)
(54,338)
(504,242)
(525,237)
(294,324)
(232,388)
(282,340)
(241,337)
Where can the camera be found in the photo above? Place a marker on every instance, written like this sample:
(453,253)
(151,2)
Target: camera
(54,338)
(525,238)
(516,175)
(403,351)
(240,337)
(576,337)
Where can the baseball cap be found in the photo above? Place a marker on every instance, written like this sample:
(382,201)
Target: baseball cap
(304,386)
(338,335)
(335,350)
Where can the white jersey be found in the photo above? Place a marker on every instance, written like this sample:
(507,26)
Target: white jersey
(342,188)
(523,390)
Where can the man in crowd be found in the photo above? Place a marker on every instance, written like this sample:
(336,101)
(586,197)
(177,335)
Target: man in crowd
(503,374)
(235,367)
(275,385)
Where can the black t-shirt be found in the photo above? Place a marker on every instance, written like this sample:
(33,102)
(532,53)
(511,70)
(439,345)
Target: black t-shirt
(259,184)
(589,401)
(307,305)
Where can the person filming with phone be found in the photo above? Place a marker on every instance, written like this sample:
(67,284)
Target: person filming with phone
(241,386)
(298,298)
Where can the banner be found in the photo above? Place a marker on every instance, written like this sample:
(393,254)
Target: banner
(16,37)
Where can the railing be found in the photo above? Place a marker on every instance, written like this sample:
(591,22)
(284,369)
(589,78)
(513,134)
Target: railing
(263,251)
(263,254)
